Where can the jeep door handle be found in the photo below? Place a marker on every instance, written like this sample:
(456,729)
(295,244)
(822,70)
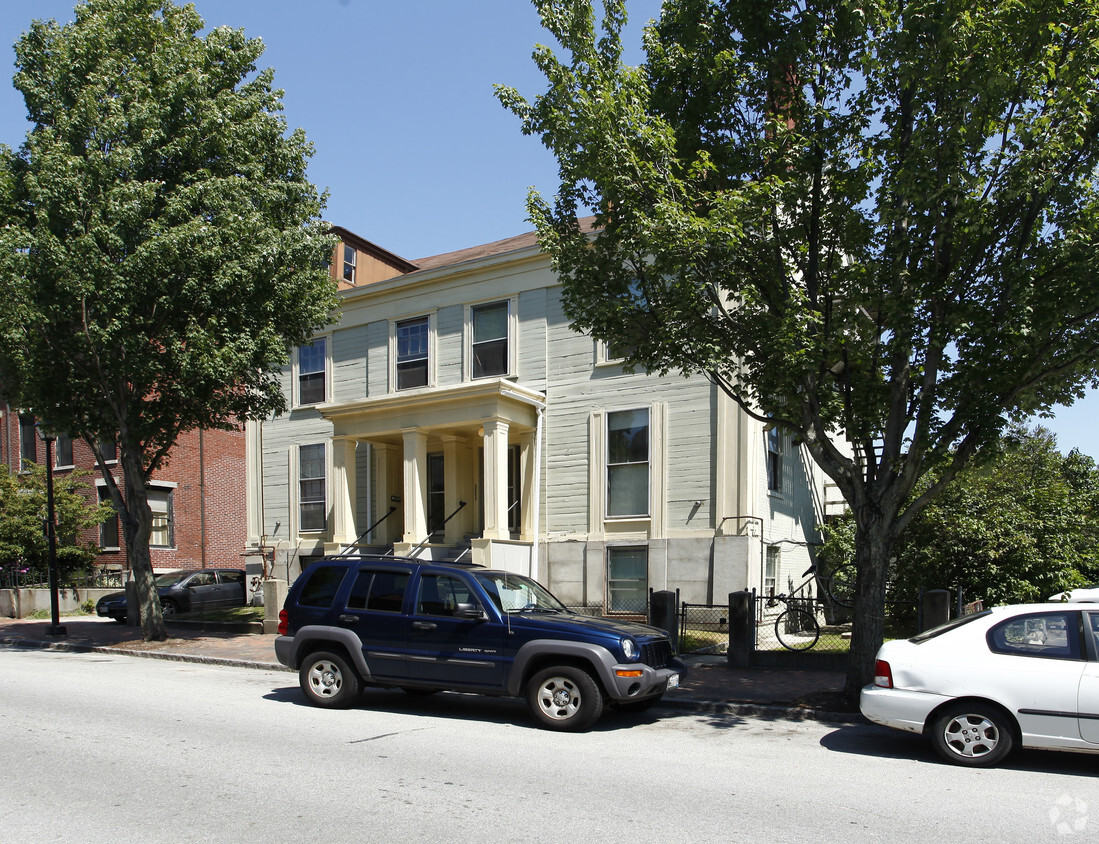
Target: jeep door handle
(424,625)
(348,619)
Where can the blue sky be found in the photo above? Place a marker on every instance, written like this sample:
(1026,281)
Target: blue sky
(415,151)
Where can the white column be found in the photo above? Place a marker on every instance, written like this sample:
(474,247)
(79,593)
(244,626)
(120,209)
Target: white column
(527,453)
(344,479)
(495,482)
(415,486)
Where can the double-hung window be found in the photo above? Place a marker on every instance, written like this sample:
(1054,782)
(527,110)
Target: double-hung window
(412,352)
(312,502)
(628,463)
(109,528)
(311,371)
(349,262)
(163,533)
(489,339)
(28,439)
(109,450)
(63,451)
(770,573)
(774,460)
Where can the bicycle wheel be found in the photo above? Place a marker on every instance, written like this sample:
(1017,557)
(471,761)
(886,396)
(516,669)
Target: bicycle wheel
(797,629)
(840,585)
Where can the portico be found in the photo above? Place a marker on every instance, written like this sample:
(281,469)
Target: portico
(455,463)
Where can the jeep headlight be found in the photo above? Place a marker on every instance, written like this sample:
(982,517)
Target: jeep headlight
(630,649)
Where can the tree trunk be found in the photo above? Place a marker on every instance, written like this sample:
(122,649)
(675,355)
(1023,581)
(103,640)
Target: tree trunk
(873,548)
(137,525)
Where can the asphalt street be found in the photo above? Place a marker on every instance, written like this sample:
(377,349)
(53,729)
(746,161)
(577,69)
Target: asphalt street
(107,746)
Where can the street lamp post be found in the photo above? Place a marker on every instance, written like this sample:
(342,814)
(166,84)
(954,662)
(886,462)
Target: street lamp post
(55,628)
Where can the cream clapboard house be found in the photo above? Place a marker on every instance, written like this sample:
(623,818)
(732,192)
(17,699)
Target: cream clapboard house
(453,410)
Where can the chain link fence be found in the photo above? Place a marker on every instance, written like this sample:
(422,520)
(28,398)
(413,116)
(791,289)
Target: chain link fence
(703,628)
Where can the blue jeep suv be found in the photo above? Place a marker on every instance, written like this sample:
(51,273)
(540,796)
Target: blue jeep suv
(401,623)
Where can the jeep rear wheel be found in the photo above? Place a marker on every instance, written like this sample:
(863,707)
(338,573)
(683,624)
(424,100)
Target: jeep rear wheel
(564,698)
(327,680)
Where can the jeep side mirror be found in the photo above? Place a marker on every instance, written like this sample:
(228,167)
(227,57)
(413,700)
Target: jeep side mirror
(470,611)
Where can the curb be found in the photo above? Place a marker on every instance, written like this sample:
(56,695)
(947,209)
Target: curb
(217,626)
(788,712)
(70,647)
(34,645)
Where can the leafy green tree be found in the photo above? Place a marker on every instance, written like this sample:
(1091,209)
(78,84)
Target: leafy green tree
(1019,528)
(23,516)
(163,247)
(872,224)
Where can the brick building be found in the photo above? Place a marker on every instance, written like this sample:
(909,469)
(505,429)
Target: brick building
(198,498)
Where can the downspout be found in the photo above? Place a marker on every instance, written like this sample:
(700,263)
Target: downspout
(202,495)
(537,486)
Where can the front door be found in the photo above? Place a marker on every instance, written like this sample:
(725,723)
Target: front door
(515,491)
(436,494)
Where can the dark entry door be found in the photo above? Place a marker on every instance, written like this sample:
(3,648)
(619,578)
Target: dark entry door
(436,493)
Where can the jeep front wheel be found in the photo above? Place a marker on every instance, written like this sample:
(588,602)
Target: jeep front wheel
(327,680)
(564,698)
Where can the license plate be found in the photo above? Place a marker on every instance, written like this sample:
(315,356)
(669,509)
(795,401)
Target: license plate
(673,682)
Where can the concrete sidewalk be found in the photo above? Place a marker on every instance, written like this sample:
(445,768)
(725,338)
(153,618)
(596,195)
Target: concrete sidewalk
(711,686)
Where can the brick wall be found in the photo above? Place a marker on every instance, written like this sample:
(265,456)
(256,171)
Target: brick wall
(214,472)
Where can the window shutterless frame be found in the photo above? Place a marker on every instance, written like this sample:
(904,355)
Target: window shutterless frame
(490,331)
(412,338)
(312,374)
(628,459)
(349,263)
(312,492)
(161,502)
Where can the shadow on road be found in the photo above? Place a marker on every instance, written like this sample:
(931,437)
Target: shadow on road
(473,707)
(884,743)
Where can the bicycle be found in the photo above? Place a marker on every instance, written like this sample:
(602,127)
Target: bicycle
(797,627)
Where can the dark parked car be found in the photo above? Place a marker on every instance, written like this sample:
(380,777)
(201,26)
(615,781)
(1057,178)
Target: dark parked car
(185,591)
(426,627)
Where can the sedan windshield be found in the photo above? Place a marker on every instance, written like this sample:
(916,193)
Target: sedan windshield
(515,593)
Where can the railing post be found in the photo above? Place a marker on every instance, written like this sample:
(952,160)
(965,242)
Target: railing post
(742,616)
(663,613)
(935,608)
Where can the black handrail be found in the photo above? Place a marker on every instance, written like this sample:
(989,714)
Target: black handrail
(366,533)
(427,538)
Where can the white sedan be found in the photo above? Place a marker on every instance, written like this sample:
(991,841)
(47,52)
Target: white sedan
(1087,594)
(983,684)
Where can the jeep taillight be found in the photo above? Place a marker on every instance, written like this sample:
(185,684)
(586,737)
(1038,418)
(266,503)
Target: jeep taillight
(883,674)
(284,622)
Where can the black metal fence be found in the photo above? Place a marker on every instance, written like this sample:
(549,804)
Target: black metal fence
(782,625)
(26,577)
